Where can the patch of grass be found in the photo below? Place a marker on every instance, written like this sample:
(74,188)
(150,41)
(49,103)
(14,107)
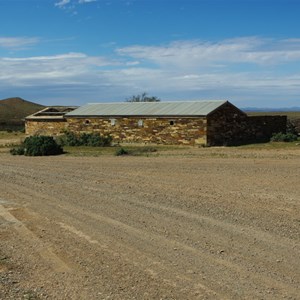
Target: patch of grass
(88,151)
(272,145)
(133,150)
(137,151)
(10,139)
(11,134)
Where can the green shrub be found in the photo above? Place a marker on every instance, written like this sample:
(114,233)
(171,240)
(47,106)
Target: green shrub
(38,146)
(121,151)
(19,150)
(96,140)
(70,139)
(85,139)
(283,137)
(136,151)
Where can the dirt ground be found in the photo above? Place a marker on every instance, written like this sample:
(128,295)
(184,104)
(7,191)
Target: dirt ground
(204,224)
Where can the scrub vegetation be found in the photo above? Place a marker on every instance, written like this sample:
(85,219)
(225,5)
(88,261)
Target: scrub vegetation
(38,146)
(84,139)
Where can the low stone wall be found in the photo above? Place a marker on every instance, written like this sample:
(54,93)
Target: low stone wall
(45,127)
(261,128)
(229,126)
(245,130)
(185,131)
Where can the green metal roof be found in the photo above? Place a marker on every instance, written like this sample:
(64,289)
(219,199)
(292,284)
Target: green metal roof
(183,108)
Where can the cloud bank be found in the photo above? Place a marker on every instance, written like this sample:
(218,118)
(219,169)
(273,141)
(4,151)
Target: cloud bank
(243,70)
(241,50)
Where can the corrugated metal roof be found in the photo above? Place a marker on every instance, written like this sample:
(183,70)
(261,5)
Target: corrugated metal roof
(183,108)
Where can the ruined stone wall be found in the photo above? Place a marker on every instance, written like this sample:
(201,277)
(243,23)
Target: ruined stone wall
(261,128)
(45,127)
(229,126)
(186,131)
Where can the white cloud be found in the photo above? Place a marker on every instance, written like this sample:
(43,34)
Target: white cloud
(71,6)
(62,3)
(17,42)
(165,80)
(58,69)
(65,3)
(45,58)
(186,54)
(86,1)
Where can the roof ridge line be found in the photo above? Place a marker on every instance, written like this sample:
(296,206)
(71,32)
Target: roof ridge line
(159,102)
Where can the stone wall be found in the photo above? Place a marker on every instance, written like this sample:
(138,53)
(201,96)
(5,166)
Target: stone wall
(261,128)
(186,131)
(229,127)
(45,127)
(226,126)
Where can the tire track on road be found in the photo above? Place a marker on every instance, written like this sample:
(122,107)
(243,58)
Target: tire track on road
(57,264)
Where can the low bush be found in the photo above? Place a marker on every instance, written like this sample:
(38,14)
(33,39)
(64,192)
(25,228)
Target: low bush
(18,150)
(84,139)
(136,151)
(284,137)
(38,146)
(141,151)
(121,151)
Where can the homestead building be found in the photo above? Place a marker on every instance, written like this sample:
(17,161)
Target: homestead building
(208,123)
(48,121)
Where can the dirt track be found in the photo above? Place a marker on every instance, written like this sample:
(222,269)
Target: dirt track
(200,227)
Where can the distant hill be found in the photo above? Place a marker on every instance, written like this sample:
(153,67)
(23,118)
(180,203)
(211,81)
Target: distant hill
(270,109)
(14,110)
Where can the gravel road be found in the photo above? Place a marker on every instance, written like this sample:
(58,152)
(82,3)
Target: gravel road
(197,226)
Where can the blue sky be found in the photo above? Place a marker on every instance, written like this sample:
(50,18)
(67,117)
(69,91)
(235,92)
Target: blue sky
(71,52)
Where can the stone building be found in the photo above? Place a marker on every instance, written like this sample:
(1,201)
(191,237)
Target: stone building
(48,121)
(208,123)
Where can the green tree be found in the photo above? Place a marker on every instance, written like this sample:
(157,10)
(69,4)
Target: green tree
(143,98)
